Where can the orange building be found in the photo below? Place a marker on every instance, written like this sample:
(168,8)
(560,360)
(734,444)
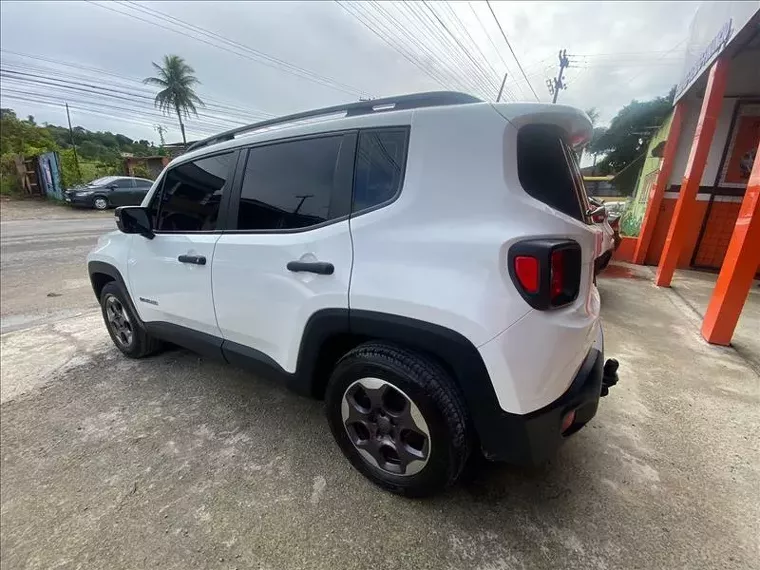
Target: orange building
(702,203)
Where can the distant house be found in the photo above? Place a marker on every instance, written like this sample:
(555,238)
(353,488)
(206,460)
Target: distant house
(153,164)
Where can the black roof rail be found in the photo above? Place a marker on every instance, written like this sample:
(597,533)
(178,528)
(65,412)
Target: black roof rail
(401,102)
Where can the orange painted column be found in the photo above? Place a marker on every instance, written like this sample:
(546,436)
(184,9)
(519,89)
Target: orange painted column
(739,266)
(695,167)
(661,183)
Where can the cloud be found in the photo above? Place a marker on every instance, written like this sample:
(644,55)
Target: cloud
(325,39)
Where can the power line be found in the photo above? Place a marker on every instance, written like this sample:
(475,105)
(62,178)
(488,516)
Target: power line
(488,2)
(463,28)
(414,40)
(264,59)
(459,67)
(239,45)
(445,50)
(493,44)
(147,95)
(91,89)
(64,89)
(410,59)
(456,40)
(78,104)
(58,104)
(100,72)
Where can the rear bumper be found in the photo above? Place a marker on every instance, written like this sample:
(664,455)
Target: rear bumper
(533,438)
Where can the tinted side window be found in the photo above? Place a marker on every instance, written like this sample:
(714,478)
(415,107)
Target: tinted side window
(123,183)
(544,170)
(290,185)
(380,161)
(191,194)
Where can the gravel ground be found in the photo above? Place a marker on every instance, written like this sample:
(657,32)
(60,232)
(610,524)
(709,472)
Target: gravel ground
(179,462)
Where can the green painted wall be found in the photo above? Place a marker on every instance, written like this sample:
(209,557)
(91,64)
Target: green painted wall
(630,223)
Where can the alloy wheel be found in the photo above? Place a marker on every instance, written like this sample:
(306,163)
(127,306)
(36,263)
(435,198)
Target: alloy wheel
(118,321)
(386,426)
(101,203)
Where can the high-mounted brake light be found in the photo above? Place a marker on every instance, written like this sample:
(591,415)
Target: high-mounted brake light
(526,270)
(546,272)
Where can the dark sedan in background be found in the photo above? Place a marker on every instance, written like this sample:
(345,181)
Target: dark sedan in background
(109,192)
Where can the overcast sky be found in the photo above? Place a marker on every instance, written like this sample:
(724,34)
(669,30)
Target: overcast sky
(630,50)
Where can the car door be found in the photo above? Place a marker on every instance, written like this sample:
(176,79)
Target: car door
(170,274)
(288,251)
(121,191)
(140,190)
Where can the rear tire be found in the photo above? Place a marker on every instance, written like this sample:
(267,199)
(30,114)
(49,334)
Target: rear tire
(398,418)
(123,325)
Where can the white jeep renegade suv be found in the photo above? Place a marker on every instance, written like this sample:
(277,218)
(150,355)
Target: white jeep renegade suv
(424,263)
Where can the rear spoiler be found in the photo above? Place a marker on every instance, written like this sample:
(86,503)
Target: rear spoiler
(574,122)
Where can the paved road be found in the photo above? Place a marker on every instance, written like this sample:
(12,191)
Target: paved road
(42,264)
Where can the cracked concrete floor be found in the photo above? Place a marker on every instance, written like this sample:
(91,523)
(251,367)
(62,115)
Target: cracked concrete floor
(177,462)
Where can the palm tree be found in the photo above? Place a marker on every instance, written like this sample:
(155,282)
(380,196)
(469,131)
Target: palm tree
(176,80)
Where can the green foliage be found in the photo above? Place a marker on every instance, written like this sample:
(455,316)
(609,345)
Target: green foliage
(176,82)
(142,171)
(629,132)
(630,221)
(22,137)
(99,152)
(593,114)
(9,183)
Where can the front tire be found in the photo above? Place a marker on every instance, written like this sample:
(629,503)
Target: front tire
(100,203)
(398,418)
(122,323)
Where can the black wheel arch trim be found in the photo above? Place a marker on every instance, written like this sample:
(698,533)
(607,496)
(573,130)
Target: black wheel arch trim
(103,268)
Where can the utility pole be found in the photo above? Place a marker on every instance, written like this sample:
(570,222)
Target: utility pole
(160,130)
(501,89)
(555,85)
(73,145)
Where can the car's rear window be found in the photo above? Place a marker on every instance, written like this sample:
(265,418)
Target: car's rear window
(547,170)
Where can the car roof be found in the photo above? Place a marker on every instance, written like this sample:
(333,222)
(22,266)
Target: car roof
(572,120)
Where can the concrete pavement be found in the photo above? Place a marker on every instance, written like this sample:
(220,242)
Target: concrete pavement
(177,462)
(42,262)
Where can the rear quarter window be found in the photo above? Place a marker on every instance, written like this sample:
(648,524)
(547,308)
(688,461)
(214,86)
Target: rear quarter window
(547,171)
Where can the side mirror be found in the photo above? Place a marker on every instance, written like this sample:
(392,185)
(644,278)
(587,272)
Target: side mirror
(112,186)
(134,220)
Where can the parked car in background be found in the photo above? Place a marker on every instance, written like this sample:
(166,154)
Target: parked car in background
(610,225)
(109,192)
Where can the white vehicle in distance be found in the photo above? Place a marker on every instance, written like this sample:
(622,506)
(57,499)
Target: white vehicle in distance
(424,263)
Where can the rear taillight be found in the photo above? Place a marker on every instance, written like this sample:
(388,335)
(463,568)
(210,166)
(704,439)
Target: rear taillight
(546,272)
(557,273)
(598,218)
(526,271)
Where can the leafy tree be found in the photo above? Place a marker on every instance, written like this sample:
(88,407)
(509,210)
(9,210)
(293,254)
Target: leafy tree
(593,114)
(22,137)
(99,153)
(629,132)
(176,80)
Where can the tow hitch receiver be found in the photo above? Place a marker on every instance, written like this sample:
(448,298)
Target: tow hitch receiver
(609,376)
